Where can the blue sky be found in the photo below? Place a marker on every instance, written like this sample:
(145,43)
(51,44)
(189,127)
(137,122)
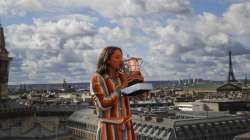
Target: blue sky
(61,39)
(216,7)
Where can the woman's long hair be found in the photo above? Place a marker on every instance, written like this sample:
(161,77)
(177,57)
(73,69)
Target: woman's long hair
(102,63)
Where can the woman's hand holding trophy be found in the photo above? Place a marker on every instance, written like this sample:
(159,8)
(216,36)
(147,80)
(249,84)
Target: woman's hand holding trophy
(129,78)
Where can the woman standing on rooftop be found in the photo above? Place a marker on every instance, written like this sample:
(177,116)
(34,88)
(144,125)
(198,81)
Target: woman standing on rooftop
(113,108)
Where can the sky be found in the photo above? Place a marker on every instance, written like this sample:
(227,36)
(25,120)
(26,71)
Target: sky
(52,40)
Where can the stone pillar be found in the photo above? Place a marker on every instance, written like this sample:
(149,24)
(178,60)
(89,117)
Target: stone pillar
(4,74)
(4,66)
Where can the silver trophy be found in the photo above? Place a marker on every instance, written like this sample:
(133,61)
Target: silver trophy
(132,66)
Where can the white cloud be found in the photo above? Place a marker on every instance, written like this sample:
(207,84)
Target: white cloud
(62,46)
(19,7)
(123,8)
(238,19)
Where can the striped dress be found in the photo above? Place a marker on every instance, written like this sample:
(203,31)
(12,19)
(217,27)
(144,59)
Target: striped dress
(113,109)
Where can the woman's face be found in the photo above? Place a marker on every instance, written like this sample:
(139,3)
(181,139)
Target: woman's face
(116,60)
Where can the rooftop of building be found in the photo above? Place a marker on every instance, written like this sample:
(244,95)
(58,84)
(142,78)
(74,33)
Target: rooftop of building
(34,128)
(169,129)
(87,115)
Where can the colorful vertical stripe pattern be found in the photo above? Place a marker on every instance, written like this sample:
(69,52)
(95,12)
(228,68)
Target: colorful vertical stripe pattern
(111,105)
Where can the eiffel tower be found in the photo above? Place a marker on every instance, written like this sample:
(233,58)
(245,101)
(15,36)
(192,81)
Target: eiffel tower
(230,77)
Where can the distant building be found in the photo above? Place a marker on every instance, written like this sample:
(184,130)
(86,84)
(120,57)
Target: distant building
(67,87)
(217,105)
(4,66)
(229,87)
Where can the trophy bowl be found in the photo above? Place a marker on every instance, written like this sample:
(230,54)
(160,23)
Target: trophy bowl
(132,66)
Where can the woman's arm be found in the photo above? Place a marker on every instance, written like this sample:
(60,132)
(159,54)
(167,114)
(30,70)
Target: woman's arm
(99,89)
